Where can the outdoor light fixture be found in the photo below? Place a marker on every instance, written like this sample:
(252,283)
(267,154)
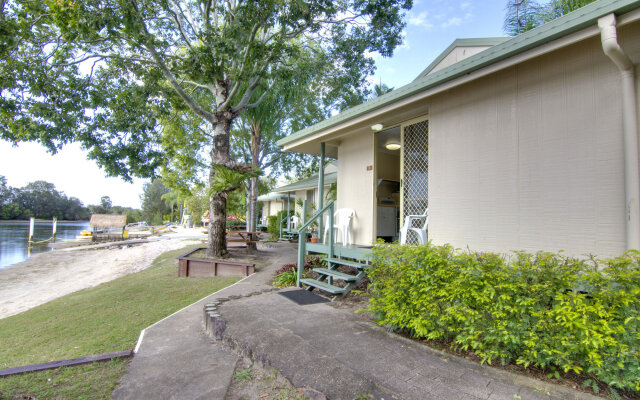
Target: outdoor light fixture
(392,145)
(377,127)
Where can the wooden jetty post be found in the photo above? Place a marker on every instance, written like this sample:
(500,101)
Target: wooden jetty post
(53,233)
(32,222)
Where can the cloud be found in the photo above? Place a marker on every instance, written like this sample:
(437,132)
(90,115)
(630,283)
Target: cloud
(465,5)
(372,80)
(453,21)
(419,20)
(405,41)
(372,54)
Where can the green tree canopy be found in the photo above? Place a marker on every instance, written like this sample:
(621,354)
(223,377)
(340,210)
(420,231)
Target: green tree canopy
(154,206)
(108,73)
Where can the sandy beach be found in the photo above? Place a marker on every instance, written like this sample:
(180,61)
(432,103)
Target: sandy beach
(46,276)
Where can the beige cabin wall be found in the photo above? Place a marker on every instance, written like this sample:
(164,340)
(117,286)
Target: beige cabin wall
(272,207)
(311,196)
(299,194)
(356,182)
(532,157)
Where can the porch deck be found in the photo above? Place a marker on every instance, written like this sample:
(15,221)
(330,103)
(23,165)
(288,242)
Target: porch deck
(355,251)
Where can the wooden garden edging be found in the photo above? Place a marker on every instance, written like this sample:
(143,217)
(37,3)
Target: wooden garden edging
(205,267)
(65,363)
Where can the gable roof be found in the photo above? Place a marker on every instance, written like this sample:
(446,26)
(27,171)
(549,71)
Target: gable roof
(468,42)
(330,176)
(273,196)
(570,23)
(308,183)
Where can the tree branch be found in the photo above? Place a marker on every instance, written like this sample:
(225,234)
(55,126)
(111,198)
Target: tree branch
(183,33)
(186,18)
(169,75)
(253,85)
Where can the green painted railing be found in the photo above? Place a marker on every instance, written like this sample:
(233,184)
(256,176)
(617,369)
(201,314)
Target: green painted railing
(302,234)
(286,220)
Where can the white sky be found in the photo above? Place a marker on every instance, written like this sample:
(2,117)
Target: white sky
(431,26)
(69,170)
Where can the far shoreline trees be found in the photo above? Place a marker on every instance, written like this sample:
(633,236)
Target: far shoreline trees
(42,200)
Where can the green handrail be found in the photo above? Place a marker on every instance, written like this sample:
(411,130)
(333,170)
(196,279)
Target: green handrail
(315,216)
(302,235)
(280,224)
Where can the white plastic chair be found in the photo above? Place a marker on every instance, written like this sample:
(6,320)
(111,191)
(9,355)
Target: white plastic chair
(341,223)
(412,223)
(294,222)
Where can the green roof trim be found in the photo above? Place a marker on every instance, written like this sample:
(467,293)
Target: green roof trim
(468,42)
(307,183)
(563,26)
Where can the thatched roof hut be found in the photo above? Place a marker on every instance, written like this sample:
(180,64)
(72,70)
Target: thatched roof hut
(108,221)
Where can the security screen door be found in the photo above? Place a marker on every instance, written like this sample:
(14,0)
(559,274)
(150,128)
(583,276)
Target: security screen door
(415,168)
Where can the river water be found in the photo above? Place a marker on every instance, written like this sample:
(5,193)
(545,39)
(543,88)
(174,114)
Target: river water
(14,238)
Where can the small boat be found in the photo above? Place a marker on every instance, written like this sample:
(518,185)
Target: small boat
(84,236)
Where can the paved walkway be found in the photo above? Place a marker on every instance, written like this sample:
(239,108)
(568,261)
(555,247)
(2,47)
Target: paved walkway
(317,346)
(343,356)
(176,360)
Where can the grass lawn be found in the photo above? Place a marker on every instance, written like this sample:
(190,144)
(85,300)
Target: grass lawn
(102,319)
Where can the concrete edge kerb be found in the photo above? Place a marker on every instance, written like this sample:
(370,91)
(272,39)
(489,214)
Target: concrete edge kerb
(142,332)
(213,323)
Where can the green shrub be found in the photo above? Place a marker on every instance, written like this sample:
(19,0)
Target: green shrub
(273,228)
(287,275)
(547,310)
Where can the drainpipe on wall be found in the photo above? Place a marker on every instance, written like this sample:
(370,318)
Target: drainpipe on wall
(609,38)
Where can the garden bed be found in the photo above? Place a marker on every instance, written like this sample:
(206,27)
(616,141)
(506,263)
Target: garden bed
(195,264)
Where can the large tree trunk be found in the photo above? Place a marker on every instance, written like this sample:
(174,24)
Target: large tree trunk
(218,201)
(253,188)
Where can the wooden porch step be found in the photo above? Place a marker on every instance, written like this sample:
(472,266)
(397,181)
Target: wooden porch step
(323,286)
(340,261)
(336,274)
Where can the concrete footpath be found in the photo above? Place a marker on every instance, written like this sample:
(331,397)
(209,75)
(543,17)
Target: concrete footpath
(316,346)
(176,360)
(345,357)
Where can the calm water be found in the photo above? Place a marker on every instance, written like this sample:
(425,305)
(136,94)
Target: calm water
(14,235)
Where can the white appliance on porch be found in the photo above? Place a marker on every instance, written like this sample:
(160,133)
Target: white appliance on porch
(387,219)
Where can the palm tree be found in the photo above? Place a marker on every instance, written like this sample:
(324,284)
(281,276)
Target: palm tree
(379,89)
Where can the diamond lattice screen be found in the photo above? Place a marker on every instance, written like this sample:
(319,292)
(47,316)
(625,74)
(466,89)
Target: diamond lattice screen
(415,167)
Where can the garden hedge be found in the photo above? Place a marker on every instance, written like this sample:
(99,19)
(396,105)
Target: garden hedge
(273,227)
(547,310)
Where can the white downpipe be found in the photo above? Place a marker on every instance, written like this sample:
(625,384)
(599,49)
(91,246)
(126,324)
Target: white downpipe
(609,38)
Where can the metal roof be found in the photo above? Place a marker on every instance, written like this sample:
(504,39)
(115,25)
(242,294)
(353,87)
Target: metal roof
(308,183)
(272,196)
(560,27)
